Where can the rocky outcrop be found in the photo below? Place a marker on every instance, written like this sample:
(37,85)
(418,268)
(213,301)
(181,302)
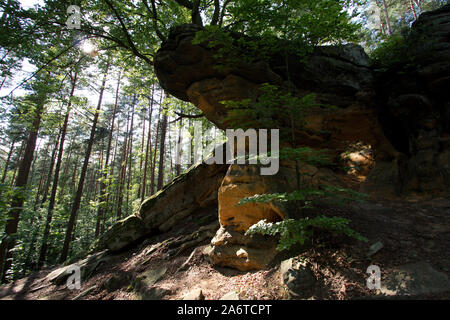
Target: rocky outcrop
(400,117)
(338,75)
(402,113)
(394,123)
(122,234)
(187,193)
(415,108)
(231,248)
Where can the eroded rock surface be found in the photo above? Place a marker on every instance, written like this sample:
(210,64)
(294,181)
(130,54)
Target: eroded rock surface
(401,113)
(194,189)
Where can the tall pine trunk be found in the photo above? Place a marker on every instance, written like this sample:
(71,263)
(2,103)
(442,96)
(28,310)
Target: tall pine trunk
(8,159)
(51,205)
(162,151)
(18,199)
(101,197)
(148,148)
(79,193)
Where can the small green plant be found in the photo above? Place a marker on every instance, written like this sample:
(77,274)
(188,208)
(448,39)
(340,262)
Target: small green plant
(294,232)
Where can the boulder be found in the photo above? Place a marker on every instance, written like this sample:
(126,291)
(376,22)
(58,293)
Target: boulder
(297,276)
(155,293)
(87,267)
(122,234)
(194,189)
(415,279)
(149,278)
(231,248)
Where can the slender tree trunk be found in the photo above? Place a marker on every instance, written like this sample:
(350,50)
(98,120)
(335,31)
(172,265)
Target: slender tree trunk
(102,198)
(51,205)
(152,176)
(130,154)
(162,150)
(141,154)
(37,216)
(148,148)
(19,161)
(413,10)
(179,150)
(388,22)
(65,173)
(79,193)
(17,202)
(50,171)
(123,169)
(74,174)
(5,170)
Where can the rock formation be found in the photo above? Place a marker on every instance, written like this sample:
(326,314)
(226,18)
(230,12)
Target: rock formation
(400,115)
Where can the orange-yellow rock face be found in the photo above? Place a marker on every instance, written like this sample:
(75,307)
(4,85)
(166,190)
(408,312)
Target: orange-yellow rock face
(244,181)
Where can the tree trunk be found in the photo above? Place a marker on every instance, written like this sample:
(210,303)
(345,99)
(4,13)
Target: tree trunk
(179,150)
(123,169)
(51,205)
(148,148)
(79,193)
(19,161)
(162,150)
(103,201)
(152,176)
(130,154)
(388,22)
(50,171)
(17,202)
(5,170)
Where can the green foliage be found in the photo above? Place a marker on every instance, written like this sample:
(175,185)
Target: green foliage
(274,107)
(308,195)
(294,232)
(393,51)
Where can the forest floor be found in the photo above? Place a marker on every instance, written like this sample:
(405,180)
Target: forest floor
(411,231)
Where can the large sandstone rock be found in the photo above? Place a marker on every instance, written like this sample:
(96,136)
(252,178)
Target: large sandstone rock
(298,278)
(122,234)
(195,189)
(192,190)
(339,75)
(402,113)
(414,105)
(231,248)
(245,180)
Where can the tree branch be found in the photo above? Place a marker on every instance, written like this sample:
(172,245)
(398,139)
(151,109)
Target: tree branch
(216,14)
(154,19)
(127,34)
(188,116)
